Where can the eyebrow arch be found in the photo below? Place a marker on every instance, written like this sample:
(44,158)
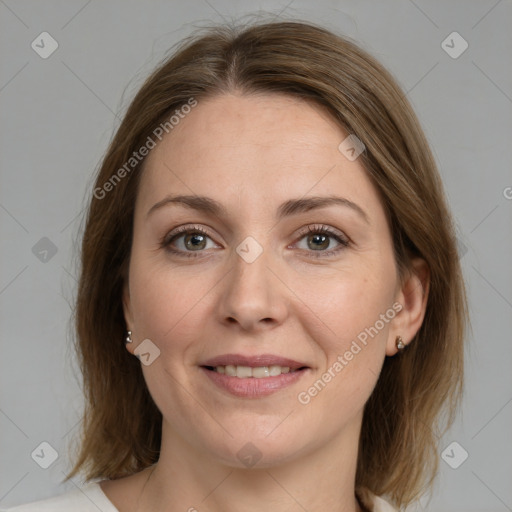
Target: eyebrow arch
(291,207)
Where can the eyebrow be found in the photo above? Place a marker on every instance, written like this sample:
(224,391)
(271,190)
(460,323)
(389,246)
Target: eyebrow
(291,207)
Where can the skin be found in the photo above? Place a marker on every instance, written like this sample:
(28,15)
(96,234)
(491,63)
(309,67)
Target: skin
(251,153)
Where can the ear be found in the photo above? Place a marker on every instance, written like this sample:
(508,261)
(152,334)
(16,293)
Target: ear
(412,296)
(127,310)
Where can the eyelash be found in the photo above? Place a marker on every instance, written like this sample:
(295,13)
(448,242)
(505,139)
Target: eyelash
(315,229)
(320,229)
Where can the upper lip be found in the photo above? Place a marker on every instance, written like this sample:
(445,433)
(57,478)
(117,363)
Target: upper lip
(253,361)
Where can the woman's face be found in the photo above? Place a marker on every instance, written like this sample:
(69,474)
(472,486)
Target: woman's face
(255,268)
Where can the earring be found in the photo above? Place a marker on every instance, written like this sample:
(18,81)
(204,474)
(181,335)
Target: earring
(399,342)
(128,338)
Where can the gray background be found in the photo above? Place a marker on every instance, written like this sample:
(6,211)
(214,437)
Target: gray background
(58,114)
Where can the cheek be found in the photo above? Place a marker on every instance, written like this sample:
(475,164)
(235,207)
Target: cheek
(169,309)
(164,301)
(358,309)
(356,312)
(350,303)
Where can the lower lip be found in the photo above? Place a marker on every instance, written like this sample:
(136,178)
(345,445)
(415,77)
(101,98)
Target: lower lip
(252,387)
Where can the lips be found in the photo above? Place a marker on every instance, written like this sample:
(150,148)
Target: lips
(253,376)
(253,361)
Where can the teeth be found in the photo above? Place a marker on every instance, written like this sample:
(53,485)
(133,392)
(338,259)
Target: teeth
(242,372)
(260,372)
(230,370)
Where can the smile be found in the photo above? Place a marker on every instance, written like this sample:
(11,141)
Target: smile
(244,372)
(253,382)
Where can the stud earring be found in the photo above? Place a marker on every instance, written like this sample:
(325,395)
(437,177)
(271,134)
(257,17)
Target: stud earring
(399,342)
(128,338)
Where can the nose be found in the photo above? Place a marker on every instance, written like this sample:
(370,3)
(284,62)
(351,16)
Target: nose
(253,297)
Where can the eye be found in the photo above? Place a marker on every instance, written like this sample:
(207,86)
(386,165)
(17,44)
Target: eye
(187,240)
(323,240)
(191,241)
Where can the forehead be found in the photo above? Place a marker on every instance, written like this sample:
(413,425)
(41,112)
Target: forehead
(254,149)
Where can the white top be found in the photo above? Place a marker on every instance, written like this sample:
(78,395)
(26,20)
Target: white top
(91,498)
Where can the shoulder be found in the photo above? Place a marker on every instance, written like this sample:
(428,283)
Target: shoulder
(381,505)
(89,498)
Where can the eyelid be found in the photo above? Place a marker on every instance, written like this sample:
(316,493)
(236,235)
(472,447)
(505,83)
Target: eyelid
(323,228)
(178,232)
(181,230)
(343,240)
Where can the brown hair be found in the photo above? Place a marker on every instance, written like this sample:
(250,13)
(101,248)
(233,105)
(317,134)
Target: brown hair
(403,418)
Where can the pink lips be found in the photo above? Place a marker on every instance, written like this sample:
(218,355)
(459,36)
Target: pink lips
(251,387)
(253,361)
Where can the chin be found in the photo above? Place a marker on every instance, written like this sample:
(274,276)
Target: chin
(253,450)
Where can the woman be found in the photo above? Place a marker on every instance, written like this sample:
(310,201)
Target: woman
(271,311)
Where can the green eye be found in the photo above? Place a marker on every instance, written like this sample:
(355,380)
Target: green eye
(186,241)
(322,240)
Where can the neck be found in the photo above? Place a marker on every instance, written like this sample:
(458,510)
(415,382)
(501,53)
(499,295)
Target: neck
(188,479)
